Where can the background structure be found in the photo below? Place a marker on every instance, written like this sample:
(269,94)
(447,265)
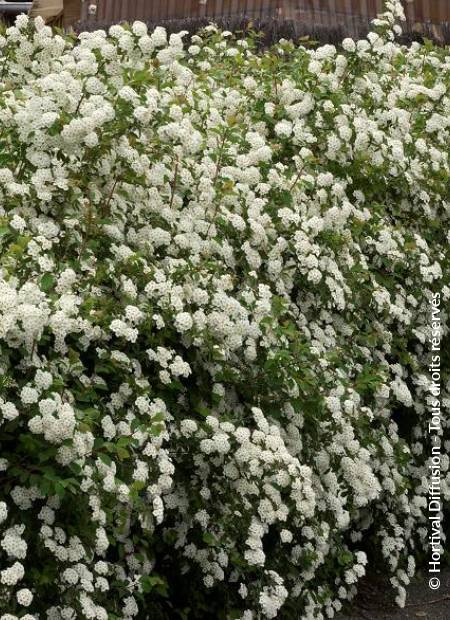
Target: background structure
(352,17)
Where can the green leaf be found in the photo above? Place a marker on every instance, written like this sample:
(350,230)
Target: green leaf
(209,539)
(203,411)
(156,429)
(47,282)
(138,485)
(60,490)
(345,558)
(151,582)
(50,475)
(158,417)
(122,454)
(105,458)
(123,442)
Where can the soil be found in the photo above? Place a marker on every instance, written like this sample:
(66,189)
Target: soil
(375,601)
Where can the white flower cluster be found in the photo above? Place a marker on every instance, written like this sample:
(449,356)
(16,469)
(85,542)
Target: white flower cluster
(216,266)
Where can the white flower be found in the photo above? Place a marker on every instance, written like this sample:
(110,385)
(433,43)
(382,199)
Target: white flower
(139,29)
(348,45)
(9,411)
(183,321)
(286,536)
(70,576)
(159,37)
(29,395)
(18,223)
(12,575)
(3,512)
(24,597)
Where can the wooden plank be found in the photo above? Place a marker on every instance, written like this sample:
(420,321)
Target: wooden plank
(426,11)
(248,8)
(364,9)
(109,10)
(262,9)
(418,10)
(226,7)
(235,8)
(72,12)
(112,10)
(217,9)
(439,11)
(172,9)
(210,9)
(128,10)
(101,10)
(410,12)
(188,8)
(342,6)
(140,10)
(371,8)
(331,10)
(288,9)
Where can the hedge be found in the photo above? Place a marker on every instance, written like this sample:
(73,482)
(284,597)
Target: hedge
(216,272)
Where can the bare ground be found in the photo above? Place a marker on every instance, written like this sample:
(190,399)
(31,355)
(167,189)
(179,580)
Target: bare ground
(375,600)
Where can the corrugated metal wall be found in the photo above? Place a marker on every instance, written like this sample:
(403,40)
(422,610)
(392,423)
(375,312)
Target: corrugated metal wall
(351,15)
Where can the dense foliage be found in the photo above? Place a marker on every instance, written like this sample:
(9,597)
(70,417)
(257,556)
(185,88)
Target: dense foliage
(216,268)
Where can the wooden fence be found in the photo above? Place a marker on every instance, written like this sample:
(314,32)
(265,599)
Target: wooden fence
(350,16)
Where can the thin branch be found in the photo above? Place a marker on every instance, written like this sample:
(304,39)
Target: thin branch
(83,94)
(88,227)
(219,159)
(173,185)
(216,176)
(105,209)
(296,180)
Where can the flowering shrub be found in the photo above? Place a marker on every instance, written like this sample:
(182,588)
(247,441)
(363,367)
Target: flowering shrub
(215,278)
